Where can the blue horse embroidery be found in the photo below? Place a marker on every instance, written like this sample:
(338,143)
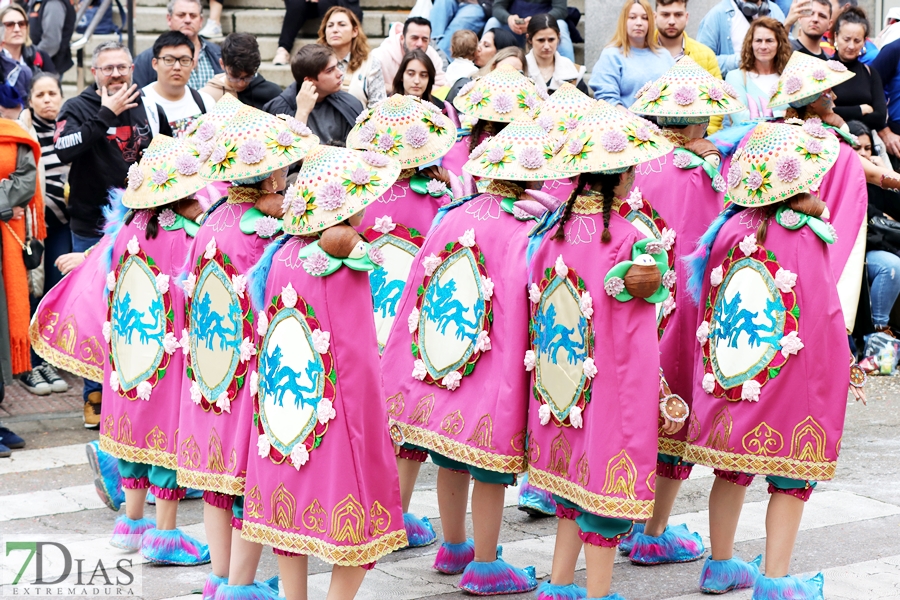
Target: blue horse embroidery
(731,320)
(209,324)
(442,308)
(385,292)
(127,320)
(282,379)
(551,336)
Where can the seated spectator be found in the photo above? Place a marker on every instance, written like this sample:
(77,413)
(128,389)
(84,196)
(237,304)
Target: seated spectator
(315,97)
(415,77)
(492,42)
(632,58)
(51,25)
(240,61)
(813,27)
(19,60)
(510,55)
(416,34)
(173,56)
(724,27)
(184,16)
(887,64)
(296,14)
(213,27)
(891,29)
(545,64)
(462,49)
(450,16)
(861,98)
(363,77)
(765,53)
(882,260)
(514,16)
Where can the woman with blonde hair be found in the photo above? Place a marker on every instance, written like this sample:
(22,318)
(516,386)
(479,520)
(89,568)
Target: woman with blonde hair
(19,60)
(764,56)
(631,59)
(363,78)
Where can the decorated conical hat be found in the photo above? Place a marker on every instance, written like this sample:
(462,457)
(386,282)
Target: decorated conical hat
(405,128)
(518,153)
(779,161)
(255,143)
(806,76)
(686,90)
(562,112)
(167,172)
(609,139)
(203,133)
(333,185)
(504,95)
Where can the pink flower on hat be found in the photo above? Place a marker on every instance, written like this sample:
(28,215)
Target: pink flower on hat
(836,66)
(367,133)
(135,177)
(531,158)
(814,147)
(684,95)
(203,151)
(467,88)
(495,155)
(793,84)
(729,89)
(530,101)
(542,94)
(613,141)
(754,180)
(332,195)
(386,142)
(478,150)
(218,155)
(572,123)
(285,138)
(417,136)
(651,93)
(787,168)
(734,174)
(503,103)
(576,146)
(476,97)
(252,152)
(206,132)
(819,74)
(187,164)
(642,133)
(360,176)
(545,122)
(160,176)
(715,94)
(375,159)
(815,128)
(300,127)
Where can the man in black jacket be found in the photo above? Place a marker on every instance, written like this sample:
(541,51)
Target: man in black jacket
(241,60)
(315,97)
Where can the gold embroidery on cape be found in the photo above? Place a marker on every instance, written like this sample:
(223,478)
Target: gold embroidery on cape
(47,323)
(587,205)
(504,189)
(808,441)
(609,506)
(767,465)
(423,410)
(109,425)
(133,453)
(124,431)
(253,503)
(190,453)
(157,439)
(583,469)
(669,446)
(395,405)
(693,433)
(518,441)
(239,195)
(92,352)
(379,520)
(459,451)
(313,518)
(348,520)
(283,508)
(214,482)
(406,174)
(651,481)
(560,454)
(621,476)
(720,431)
(764,440)
(42,346)
(215,459)
(678,139)
(837,447)
(453,423)
(68,333)
(484,433)
(533,452)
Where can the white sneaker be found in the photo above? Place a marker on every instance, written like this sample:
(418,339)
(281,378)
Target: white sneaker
(34,382)
(211,30)
(57,383)
(282,57)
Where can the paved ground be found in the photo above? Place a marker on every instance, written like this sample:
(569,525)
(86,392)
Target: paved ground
(850,530)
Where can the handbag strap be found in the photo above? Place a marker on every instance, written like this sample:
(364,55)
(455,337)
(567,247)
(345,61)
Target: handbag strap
(15,237)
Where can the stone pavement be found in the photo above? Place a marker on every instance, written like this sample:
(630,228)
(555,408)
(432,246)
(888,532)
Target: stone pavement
(849,531)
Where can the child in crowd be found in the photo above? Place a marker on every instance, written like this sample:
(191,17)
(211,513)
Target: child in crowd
(462,48)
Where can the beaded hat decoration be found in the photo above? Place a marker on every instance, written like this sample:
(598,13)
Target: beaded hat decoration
(609,140)
(518,153)
(254,143)
(504,95)
(333,185)
(779,161)
(204,131)
(686,90)
(562,112)
(805,76)
(167,172)
(412,131)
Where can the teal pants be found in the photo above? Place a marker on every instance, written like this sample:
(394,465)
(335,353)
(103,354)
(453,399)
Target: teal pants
(482,475)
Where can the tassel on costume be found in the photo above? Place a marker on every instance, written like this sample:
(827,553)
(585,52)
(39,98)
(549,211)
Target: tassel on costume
(213,582)
(128,534)
(536,502)
(173,547)
(720,576)
(114,219)
(256,591)
(789,588)
(627,542)
(497,577)
(107,480)
(419,531)
(452,559)
(259,273)
(548,591)
(676,544)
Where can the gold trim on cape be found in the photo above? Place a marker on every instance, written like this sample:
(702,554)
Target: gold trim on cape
(238,194)
(58,359)
(348,556)
(211,482)
(605,506)
(761,465)
(147,456)
(671,447)
(460,452)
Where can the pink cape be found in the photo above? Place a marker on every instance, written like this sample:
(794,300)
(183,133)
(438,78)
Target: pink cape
(214,439)
(140,418)
(481,422)
(604,461)
(65,334)
(794,429)
(322,476)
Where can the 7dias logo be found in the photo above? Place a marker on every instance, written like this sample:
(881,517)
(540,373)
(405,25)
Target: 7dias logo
(75,566)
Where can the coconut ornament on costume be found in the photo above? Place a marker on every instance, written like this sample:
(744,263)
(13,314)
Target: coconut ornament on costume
(453,386)
(592,357)
(321,477)
(143,375)
(770,315)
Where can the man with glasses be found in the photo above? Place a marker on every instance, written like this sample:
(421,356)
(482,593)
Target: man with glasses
(241,60)
(185,16)
(173,58)
(101,132)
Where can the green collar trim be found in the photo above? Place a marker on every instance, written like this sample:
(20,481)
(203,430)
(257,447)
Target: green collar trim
(331,263)
(793,220)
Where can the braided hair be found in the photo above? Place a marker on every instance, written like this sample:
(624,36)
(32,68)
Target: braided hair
(152,224)
(608,185)
(481,126)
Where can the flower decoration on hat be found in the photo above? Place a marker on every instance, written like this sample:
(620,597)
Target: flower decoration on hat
(503,95)
(805,77)
(561,114)
(166,172)
(686,90)
(518,153)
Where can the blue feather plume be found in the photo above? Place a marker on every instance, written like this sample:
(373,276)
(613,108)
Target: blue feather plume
(114,219)
(695,262)
(727,140)
(259,274)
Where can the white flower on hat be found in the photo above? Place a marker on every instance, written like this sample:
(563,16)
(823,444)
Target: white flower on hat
(668,306)
(589,368)
(709,383)
(262,323)
(635,199)
(419,370)
(170,343)
(487,287)
(586,305)
(321,340)
(289,296)
(107,331)
(185,342)
(144,389)
(716,276)
(114,381)
(162,283)
(325,411)
(111,280)
(451,380)
(196,394)
(483,343)
(254,384)
(239,284)
(667,237)
(247,350)
(223,402)
(210,249)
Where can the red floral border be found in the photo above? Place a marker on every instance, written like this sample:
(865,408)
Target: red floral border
(399,231)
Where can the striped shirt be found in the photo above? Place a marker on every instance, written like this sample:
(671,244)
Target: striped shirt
(55,172)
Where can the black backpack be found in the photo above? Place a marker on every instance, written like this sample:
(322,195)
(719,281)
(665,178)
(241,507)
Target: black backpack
(106,24)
